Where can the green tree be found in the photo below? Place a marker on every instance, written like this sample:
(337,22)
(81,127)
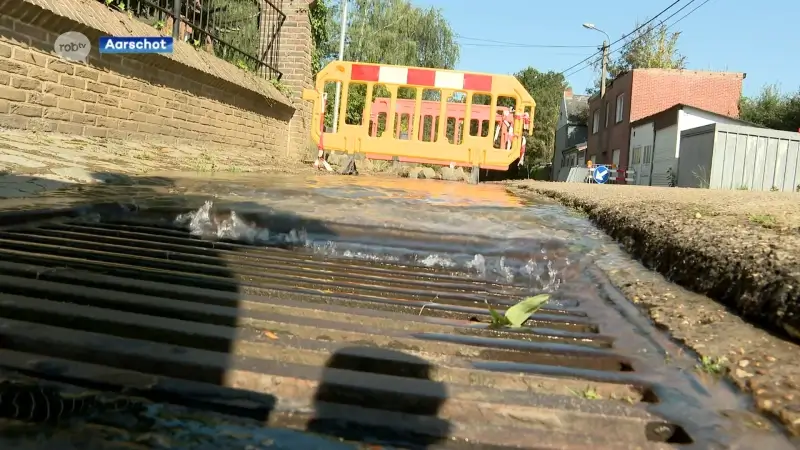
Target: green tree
(772,109)
(394,32)
(652,47)
(547,89)
(318,17)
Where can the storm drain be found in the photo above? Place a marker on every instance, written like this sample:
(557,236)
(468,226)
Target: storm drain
(366,351)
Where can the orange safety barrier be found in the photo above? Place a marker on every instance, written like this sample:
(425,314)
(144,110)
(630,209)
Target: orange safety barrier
(405,109)
(446,130)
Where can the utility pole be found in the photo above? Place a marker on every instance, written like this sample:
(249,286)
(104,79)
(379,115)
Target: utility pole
(603,70)
(341,56)
(604,64)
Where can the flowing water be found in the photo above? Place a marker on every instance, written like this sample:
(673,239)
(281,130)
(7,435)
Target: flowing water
(478,233)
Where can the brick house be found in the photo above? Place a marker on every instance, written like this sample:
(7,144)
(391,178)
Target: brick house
(643,92)
(571,131)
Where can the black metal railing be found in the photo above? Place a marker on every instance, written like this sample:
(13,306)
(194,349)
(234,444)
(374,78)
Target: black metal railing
(245,33)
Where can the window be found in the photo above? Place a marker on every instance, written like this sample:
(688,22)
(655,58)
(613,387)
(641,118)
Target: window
(647,157)
(608,112)
(636,157)
(596,121)
(620,107)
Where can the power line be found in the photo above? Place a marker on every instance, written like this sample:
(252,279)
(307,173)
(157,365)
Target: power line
(689,13)
(633,40)
(511,47)
(660,23)
(556,53)
(623,37)
(514,44)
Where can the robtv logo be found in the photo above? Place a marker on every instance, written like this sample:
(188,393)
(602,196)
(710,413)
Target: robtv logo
(73,46)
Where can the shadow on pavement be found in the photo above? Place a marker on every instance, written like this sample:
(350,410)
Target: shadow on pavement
(106,292)
(362,398)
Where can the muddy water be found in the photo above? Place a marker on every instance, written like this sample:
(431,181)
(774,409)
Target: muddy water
(480,231)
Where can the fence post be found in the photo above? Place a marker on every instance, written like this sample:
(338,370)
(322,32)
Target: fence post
(176,19)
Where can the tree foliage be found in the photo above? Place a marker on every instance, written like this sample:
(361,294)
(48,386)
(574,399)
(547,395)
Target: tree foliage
(547,89)
(393,32)
(318,17)
(772,109)
(651,47)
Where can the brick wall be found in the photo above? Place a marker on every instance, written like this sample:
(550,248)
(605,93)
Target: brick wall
(296,47)
(186,97)
(600,145)
(649,91)
(655,90)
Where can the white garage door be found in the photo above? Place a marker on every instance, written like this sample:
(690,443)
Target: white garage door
(665,158)
(641,153)
(642,163)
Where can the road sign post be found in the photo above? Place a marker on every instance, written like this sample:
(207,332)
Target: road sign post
(601,174)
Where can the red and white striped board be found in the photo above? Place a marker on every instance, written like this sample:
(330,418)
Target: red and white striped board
(421,77)
(616,175)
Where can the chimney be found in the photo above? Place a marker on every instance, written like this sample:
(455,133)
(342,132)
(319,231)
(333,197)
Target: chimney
(568,92)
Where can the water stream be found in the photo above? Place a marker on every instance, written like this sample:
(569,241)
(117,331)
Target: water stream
(481,232)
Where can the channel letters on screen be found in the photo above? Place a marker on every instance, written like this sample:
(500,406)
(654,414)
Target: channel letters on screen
(128,44)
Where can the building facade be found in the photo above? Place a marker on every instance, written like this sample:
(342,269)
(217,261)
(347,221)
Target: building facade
(643,92)
(571,132)
(655,142)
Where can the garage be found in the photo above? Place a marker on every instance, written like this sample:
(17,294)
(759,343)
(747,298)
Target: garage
(655,142)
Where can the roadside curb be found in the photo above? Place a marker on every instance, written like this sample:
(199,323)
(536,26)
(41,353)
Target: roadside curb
(759,288)
(699,258)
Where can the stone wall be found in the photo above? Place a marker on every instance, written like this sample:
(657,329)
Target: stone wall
(185,97)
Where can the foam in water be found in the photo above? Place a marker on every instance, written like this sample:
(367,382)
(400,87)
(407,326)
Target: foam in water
(478,263)
(368,256)
(538,273)
(205,224)
(437,260)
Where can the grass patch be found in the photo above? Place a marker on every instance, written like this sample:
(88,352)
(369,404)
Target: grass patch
(713,366)
(765,220)
(205,163)
(589,393)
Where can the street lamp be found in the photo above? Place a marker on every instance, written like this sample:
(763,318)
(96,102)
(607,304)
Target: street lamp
(590,26)
(341,56)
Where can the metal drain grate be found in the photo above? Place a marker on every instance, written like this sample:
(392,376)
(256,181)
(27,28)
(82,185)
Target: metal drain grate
(306,341)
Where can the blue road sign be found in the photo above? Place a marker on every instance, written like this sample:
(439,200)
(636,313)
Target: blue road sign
(601,174)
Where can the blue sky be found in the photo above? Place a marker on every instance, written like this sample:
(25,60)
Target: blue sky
(757,38)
